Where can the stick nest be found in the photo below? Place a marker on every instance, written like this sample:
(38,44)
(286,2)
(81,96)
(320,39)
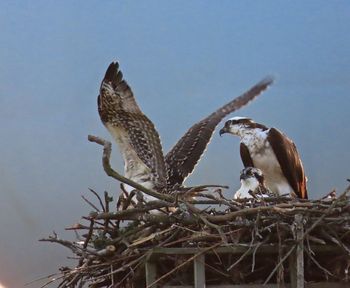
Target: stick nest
(115,240)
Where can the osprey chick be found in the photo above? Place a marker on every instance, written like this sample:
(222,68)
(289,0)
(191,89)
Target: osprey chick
(272,152)
(252,184)
(135,134)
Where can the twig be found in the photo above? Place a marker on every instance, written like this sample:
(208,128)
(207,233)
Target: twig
(317,263)
(240,258)
(217,227)
(90,203)
(184,263)
(244,254)
(87,240)
(335,202)
(130,214)
(106,209)
(88,237)
(254,252)
(279,264)
(99,198)
(107,149)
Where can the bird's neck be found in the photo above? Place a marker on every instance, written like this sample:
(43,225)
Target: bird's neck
(248,136)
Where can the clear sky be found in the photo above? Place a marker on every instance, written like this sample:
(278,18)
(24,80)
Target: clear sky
(183,60)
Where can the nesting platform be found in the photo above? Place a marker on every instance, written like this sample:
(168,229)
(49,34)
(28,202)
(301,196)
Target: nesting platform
(211,241)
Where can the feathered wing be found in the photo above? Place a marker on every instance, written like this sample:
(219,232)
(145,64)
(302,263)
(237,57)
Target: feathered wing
(118,110)
(183,157)
(245,156)
(289,160)
(115,94)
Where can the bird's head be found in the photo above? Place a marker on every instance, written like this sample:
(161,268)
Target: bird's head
(252,177)
(236,124)
(239,125)
(252,172)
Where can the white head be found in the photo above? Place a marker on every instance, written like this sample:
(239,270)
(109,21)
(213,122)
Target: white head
(250,178)
(237,125)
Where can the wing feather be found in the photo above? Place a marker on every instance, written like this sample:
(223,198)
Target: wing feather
(289,160)
(145,140)
(118,108)
(183,157)
(245,156)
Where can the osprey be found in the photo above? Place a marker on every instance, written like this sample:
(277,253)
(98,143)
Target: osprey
(139,141)
(134,133)
(272,152)
(252,184)
(185,155)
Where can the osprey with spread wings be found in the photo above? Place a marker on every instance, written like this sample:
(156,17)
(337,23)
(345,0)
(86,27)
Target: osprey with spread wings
(139,141)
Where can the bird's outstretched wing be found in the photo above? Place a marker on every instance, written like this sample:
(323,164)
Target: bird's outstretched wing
(289,160)
(183,157)
(122,116)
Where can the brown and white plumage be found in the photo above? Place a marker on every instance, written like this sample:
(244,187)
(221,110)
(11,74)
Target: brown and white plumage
(139,141)
(252,184)
(272,152)
(135,134)
(183,157)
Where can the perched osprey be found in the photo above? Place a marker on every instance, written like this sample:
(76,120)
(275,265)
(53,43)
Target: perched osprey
(252,184)
(185,155)
(135,134)
(272,152)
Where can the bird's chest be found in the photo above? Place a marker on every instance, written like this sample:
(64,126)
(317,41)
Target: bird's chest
(134,168)
(265,159)
(263,156)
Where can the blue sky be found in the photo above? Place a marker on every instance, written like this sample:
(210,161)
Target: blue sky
(183,59)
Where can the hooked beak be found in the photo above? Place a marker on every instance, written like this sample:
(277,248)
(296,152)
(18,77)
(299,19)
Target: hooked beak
(223,131)
(243,177)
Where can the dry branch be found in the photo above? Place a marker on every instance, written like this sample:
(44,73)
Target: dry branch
(113,256)
(107,150)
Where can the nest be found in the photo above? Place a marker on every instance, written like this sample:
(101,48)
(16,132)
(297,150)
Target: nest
(245,241)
